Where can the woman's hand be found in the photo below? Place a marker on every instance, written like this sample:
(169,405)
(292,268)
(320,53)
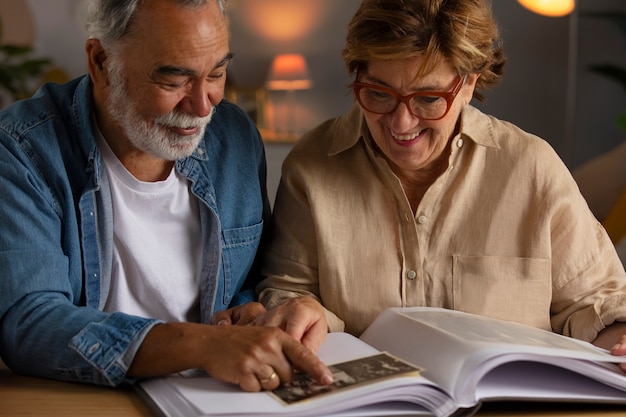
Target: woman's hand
(607,337)
(619,349)
(240,315)
(303,318)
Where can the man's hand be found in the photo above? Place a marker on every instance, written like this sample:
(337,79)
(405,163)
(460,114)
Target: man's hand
(303,318)
(255,358)
(240,315)
(262,358)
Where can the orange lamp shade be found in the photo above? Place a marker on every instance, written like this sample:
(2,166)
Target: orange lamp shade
(553,8)
(289,72)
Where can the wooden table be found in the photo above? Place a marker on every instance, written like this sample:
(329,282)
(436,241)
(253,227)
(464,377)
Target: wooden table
(22,396)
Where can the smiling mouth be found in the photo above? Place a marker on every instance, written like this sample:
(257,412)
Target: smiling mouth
(187,130)
(406,137)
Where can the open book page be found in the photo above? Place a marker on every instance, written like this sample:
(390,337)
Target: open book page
(440,354)
(459,349)
(204,396)
(555,383)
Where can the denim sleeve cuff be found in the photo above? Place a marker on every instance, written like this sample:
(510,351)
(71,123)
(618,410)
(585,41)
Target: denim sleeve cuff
(109,346)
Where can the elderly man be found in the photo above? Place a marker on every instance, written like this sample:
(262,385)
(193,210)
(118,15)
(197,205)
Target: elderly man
(133,206)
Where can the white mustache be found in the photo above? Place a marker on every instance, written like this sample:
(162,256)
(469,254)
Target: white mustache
(184,120)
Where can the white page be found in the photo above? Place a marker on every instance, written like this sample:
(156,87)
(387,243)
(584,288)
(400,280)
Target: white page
(439,340)
(556,383)
(399,335)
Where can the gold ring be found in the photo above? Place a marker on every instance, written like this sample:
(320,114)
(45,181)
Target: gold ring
(266,380)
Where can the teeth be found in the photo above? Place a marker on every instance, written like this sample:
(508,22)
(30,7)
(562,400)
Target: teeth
(410,136)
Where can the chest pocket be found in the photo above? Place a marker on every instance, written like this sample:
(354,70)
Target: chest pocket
(506,288)
(240,246)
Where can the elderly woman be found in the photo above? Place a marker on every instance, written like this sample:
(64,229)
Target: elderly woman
(416,198)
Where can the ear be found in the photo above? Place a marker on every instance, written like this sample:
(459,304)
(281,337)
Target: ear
(96,55)
(468,88)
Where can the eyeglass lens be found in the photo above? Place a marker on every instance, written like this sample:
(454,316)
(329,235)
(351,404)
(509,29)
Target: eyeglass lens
(382,101)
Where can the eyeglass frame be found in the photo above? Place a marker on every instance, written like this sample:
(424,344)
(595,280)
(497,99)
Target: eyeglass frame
(449,96)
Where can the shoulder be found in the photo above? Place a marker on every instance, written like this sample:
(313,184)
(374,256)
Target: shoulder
(53,124)
(51,100)
(329,143)
(310,155)
(317,140)
(510,156)
(509,142)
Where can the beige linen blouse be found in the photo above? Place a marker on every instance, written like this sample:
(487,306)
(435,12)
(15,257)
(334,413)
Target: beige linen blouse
(504,232)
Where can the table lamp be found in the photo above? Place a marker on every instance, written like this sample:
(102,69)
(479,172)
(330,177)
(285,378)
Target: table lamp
(289,72)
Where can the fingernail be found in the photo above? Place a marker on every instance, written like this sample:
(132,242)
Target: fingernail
(327,379)
(222,322)
(616,346)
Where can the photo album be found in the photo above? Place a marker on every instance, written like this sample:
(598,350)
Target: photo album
(414,361)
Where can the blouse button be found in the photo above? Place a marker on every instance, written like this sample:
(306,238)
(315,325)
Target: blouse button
(421,219)
(459,143)
(411,274)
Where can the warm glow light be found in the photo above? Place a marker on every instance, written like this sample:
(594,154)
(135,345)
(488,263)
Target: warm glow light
(553,8)
(281,20)
(289,72)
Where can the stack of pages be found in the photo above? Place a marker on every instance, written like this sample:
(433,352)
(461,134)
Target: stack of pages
(415,361)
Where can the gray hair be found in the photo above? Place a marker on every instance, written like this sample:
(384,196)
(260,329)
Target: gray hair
(108,20)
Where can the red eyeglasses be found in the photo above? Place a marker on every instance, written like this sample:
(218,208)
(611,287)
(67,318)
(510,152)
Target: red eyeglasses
(426,105)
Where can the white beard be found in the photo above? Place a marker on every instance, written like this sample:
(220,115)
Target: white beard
(152,137)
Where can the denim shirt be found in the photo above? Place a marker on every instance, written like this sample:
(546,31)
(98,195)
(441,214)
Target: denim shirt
(56,233)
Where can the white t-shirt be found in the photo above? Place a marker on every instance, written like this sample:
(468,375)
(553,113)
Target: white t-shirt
(157,245)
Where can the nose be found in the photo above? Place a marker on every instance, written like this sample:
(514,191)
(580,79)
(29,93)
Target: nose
(201,99)
(401,119)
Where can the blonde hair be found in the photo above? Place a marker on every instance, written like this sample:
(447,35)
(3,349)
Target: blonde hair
(462,33)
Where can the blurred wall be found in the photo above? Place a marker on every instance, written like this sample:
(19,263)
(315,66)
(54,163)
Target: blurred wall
(547,89)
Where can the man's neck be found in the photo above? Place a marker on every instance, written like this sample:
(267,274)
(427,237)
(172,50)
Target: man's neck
(145,167)
(140,164)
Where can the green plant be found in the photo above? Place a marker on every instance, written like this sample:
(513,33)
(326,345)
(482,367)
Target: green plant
(19,72)
(612,71)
